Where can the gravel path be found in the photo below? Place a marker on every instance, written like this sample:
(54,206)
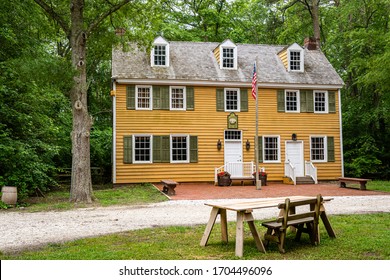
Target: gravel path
(21,230)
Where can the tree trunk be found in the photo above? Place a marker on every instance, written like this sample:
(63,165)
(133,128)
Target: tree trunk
(81,183)
(316,21)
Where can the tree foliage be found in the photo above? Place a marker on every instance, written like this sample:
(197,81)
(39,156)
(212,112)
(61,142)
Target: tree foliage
(36,75)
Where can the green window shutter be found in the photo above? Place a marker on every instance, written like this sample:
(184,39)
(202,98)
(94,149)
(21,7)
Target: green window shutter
(161,97)
(280,96)
(161,148)
(156,148)
(193,148)
(332,101)
(164,91)
(244,100)
(190,98)
(260,148)
(130,97)
(156,98)
(127,149)
(220,100)
(306,99)
(330,143)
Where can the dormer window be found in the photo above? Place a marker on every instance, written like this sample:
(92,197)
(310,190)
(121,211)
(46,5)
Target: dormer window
(295,58)
(228,55)
(160,52)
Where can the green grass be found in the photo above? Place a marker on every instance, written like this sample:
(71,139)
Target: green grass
(383,186)
(359,237)
(105,196)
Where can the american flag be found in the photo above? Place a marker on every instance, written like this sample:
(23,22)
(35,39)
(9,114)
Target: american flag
(254,82)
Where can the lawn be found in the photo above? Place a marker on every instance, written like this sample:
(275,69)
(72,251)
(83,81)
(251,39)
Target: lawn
(359,237)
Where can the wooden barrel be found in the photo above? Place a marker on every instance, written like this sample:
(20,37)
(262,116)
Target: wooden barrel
(9,195)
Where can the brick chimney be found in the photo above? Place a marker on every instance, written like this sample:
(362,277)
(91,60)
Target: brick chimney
(310,43)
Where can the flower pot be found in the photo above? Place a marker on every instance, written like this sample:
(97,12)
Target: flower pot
(9,195)
(224,180)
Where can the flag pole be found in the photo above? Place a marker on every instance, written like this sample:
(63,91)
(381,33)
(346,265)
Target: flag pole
(254,88)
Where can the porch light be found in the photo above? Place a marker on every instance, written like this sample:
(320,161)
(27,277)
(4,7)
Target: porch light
(247,145)
(219,144)
(294,137)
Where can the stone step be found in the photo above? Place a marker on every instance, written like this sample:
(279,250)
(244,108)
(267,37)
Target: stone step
(304,180)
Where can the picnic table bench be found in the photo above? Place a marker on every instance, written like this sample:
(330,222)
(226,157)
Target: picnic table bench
(169,186)
(244,212)
(361,181)
(306,221)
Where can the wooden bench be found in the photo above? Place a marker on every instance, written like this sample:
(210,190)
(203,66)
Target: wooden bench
(304,222)
(169,187)
(242,179)
(361,181)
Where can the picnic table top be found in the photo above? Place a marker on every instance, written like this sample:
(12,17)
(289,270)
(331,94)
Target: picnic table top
(258,204)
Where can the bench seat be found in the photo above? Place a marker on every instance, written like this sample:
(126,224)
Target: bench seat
(361,181)
(306,222)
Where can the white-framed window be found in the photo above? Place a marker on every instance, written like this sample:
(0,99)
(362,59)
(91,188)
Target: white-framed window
(142,148)
(321,102)
(232,99)
(160,52)
(179,148)
(295,58)
(271,148)
(143,98)
(228,55)
(292,101)
(177,98)
(318,148)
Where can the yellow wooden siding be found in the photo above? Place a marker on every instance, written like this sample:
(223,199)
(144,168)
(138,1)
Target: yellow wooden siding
(209,125)
(217,54)
(283,57)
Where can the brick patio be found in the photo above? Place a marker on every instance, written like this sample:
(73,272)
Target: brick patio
(200,191)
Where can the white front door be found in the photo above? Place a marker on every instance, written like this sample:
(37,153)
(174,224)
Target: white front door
(233,153)
(294,154)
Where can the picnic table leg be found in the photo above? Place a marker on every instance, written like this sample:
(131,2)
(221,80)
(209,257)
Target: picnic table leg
(213,216)
(240,234)
(224,231)
(259,244)
(326,222)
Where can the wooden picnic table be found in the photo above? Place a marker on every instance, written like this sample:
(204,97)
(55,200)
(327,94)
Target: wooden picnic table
(244,214)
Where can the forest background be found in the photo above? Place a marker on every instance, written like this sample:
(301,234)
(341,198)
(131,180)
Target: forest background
(36,73)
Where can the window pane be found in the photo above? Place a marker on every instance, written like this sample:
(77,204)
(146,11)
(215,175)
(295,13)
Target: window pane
(271,149)
(295,60)
(227,58)
(159,55)
(143,97)
(177,98)
(317,148)
(179,148)
(291,101)
(142,148)
(232,134)
(320,102)
(231,100)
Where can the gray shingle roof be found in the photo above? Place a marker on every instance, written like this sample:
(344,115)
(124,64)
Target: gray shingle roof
(195,61)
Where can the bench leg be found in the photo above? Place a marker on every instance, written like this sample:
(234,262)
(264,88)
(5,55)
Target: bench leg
(343,185)
(363,185)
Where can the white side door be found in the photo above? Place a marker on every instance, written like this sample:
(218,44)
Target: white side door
(294,154)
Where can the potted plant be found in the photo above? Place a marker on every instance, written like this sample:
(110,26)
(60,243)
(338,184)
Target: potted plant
(224,178)
(262,177)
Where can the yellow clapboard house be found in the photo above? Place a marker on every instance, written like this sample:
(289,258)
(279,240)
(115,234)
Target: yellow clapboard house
(185,111)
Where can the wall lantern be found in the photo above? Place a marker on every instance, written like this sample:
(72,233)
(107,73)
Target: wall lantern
(219,144)
(247,145)
(294,137)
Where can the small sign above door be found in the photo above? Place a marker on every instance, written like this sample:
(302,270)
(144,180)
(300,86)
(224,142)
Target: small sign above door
(232,121)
